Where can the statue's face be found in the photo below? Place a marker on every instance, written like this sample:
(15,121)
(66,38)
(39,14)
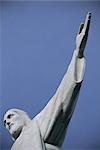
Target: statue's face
(13,122)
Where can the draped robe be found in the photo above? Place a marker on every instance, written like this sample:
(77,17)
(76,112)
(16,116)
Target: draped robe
(46,131)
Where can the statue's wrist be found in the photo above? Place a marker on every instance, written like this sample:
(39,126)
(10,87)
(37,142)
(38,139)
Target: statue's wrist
(80,53)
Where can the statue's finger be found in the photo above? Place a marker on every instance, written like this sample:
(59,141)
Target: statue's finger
(87,23)
(80,28)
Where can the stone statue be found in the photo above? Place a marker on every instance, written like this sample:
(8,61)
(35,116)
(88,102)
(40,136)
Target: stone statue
(46,131)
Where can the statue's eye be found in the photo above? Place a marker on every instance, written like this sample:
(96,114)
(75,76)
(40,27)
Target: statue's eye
(4,122)
(10,115)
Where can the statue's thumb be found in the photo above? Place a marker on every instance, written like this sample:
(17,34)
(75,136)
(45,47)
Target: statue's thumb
(80,28)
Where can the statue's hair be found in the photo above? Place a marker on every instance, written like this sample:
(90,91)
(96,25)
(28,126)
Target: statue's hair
(22,113)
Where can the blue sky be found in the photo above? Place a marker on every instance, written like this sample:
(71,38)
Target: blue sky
(38,39)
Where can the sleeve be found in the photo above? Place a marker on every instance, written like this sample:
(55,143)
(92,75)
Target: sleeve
(54,118)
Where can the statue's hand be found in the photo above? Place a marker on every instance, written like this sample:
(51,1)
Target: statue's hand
(82,36)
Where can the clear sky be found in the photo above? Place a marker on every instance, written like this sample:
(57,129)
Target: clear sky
(38,39)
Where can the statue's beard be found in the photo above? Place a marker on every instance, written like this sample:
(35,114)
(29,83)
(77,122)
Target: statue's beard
(16,130)
(16,134)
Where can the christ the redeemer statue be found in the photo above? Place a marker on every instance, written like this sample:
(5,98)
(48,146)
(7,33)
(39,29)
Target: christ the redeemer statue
(46,131)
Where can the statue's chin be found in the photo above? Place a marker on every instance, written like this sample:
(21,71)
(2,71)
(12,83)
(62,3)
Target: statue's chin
(15,132)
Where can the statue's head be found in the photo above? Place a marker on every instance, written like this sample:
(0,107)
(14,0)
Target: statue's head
(14,121)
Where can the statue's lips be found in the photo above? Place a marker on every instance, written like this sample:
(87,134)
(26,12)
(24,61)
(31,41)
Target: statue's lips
(11,125)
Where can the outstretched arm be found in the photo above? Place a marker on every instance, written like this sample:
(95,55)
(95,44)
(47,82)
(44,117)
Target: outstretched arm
(54,118)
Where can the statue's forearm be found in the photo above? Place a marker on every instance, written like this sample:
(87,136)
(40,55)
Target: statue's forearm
(73,76)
